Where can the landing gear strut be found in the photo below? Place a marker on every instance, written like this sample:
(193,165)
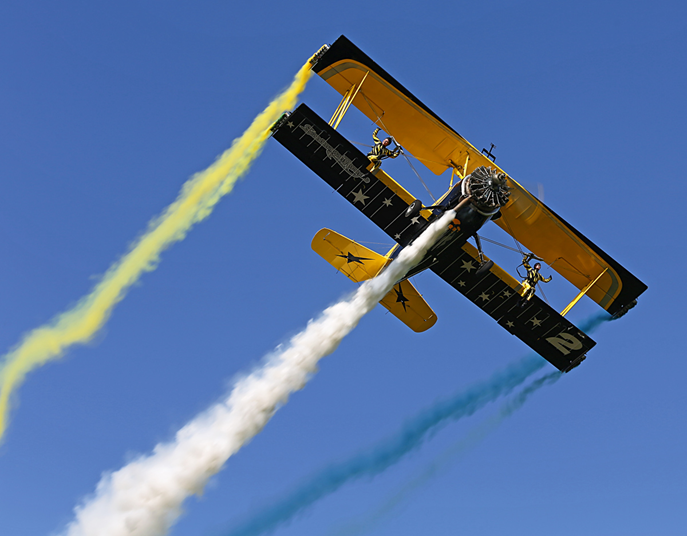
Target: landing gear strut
(484,265)
(416,206)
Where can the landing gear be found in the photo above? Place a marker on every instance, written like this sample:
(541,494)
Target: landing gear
(416,206)
(414,209)
(484,265)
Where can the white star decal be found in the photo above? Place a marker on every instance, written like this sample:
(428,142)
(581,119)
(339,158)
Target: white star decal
(461,283)
(484,296)
(467,265)
(397,237)
(507,294)
(387,202)
(360,197)
(535,322)
(416,219)
(510,324)
(289,124)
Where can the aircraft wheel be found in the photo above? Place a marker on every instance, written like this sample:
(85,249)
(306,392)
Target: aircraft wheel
(414,209)
(484,268)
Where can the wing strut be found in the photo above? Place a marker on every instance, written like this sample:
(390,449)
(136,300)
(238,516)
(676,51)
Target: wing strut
(346,102)
(582,293)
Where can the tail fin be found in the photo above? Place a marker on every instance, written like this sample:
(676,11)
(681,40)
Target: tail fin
(359,263)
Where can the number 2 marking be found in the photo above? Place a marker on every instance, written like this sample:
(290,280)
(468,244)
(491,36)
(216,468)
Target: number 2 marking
(565,342)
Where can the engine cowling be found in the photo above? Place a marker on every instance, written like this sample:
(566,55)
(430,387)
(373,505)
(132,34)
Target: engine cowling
(487,189)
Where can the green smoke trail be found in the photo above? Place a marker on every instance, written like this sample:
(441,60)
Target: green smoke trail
(451,455)
(462,447)
(379,458)
(384,455)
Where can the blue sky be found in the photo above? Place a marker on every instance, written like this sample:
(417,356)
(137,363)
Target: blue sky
(108,108)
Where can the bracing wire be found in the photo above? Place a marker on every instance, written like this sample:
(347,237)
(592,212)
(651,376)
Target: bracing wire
(544,295)
(510,231)
(497,243)
(418,176)
(387,244)
(359,143)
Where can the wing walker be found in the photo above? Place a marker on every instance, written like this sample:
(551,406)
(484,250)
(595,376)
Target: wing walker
(479,192)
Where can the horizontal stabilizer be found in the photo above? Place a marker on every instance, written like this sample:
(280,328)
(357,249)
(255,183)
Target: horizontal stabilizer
(406,304)
(359,263)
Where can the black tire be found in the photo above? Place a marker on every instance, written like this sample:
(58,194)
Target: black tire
(484,268)
(414,209)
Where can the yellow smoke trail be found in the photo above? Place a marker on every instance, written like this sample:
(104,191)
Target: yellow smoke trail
(197,198)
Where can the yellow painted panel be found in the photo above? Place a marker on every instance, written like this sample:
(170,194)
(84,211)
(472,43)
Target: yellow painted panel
(426,137)
(357,262)
(416,314)
(541,232)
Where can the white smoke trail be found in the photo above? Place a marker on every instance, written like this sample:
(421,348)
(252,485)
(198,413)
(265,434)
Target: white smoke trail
(144,498)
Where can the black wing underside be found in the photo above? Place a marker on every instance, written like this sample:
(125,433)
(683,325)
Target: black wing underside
(344,168)
(382,200)
(495,292)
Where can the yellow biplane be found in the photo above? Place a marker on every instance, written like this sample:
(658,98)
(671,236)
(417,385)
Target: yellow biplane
(479,191)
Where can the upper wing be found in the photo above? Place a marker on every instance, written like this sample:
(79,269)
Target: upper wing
(397,111)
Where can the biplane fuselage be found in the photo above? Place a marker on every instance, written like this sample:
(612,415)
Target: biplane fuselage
(482,192)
